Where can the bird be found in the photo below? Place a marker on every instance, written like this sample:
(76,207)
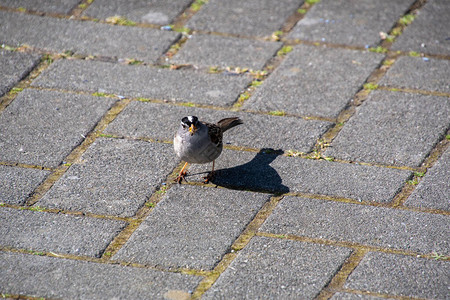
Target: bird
(199,142)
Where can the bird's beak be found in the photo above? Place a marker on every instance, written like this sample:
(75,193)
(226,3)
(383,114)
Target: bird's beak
(192,129)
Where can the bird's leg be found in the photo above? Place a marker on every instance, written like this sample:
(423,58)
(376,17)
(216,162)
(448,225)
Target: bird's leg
(210,176)
(183,173)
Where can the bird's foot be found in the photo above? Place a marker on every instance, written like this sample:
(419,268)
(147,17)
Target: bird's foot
(209,177)
(180,177)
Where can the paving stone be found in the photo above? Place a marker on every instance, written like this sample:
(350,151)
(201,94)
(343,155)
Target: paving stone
(83,37)
(429,31)
(18,183)
(316,81)
(393,128)
(141,11)
(251,17)
(42,127)
(204,50)
(352,22)
(143,81)
(433,76)
(114,177)
(278,269)
(161,121)
(50,277)
(348,296)
(40,231)
(192,227)
(14,66)
(52,6)
(271,172)
(401,275)
(362,224)
(434,189)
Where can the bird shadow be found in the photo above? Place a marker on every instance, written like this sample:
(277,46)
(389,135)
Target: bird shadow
(256,175)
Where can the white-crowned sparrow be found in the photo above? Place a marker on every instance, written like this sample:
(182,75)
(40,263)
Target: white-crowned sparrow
(200,142)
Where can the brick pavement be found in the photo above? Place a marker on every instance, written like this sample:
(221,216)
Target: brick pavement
(336,186)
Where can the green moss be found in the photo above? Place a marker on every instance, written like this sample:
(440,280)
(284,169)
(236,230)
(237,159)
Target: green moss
(135,62)
(22,9)
(447,137)
(119,20)
(412,182)
(378,49)
(285,50)
(214,70)
(184,30)
(198,4)
(419,174)
(407,19)
(9,48)
(277,113)
(36,208)
(370,86)
(244,96)
(16,90)
(98,94)
(414,53)
(256,83)
(106,135)
(188,104)
(396,31)
(82,5)
(301,11)
(312,1)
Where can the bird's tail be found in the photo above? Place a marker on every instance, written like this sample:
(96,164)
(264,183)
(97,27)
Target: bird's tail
(228,123)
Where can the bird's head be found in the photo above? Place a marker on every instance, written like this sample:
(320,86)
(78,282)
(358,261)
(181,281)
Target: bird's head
(190,123)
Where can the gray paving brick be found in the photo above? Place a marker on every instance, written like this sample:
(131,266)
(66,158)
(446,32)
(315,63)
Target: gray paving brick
(315,81)
(278,269)
(50,277)
(259,171)
(141,11)
(251,17)
(160,121)
(204,50)
(52,6)
(14,66)
(192,227)
(367,225)
(401,275)
(348,296)
(87,38)
(40,231)
(393,128)
(429,31)
(433,76)
(350,22)
(42,127)
(143,81)
(434,190)
(18,183)
(114,177)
